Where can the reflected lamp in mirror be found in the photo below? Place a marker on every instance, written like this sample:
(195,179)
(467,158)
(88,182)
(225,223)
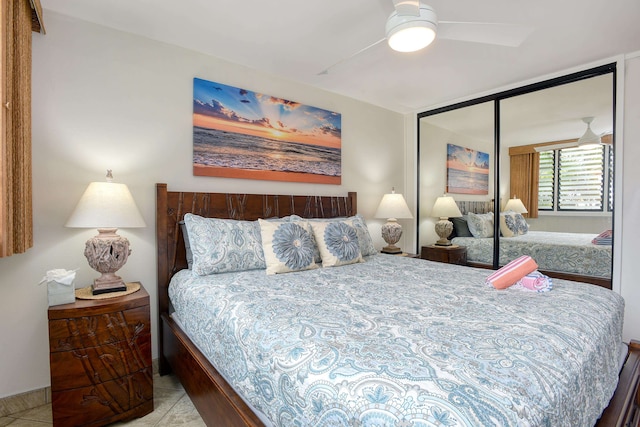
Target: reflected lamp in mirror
(106,206)
(393,207)
(514,204)
(444,208)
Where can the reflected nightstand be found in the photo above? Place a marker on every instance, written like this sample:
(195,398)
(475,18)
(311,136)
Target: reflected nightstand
(453,254)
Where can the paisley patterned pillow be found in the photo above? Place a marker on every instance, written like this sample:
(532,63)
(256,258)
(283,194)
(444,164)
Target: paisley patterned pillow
(481,225)
(288,246)
(513,224)
(364,238)
(338,242)
(223,245)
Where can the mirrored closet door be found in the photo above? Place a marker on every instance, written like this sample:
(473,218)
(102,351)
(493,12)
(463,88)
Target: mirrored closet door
(531,171)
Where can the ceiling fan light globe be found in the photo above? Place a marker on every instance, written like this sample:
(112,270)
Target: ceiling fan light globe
(409,33)
(411,39)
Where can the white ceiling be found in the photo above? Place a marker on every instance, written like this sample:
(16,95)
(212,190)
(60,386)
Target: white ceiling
(297,39)
(552,114)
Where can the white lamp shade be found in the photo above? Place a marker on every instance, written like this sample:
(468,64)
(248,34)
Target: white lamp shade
(106,205)
(515,205)
(445,207)
(409,33)
(393,205)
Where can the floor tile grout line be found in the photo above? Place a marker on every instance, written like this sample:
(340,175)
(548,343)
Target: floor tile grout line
(171,408)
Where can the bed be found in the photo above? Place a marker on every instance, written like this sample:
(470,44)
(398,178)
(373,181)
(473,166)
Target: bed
(571,253)
(474,386)
(570,256)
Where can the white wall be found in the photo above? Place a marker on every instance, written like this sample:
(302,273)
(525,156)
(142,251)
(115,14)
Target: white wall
(104,99)
(585,223)
(629,278)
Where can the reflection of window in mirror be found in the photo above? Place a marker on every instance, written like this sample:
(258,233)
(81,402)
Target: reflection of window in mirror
(584,176)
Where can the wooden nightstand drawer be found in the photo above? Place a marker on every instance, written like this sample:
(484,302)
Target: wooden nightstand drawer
(100,360)
(87,366)
(449,254)
(104,402)
(90,331)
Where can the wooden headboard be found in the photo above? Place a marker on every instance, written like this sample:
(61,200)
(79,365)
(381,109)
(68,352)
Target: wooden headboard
(478,207)
(171,206)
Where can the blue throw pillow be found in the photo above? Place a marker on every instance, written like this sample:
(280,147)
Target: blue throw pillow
(338,242)
(288,246)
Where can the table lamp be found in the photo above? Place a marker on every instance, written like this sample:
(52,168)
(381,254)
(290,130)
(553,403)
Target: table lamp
(515,205)
(445,208)
(393,207)
(106,206)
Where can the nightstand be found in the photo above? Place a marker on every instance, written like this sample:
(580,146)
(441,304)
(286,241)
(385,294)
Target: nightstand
(100,360)
(453,254)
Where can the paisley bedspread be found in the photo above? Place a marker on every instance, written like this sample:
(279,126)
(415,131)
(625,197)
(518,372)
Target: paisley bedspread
(553,251)
(404,342)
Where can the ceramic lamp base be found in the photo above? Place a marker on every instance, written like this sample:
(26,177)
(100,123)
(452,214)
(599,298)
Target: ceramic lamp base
(107,253)
(445,242)
(444,228)
(391,249)
(391,233)
(108,283)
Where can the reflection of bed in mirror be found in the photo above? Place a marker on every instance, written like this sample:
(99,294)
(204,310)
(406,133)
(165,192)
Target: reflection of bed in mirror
(562,255)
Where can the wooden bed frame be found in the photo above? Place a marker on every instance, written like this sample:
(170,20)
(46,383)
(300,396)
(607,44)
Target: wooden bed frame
(213,397)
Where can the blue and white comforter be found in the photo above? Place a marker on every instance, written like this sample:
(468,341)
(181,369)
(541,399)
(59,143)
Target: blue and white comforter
(406,342)
(553,251)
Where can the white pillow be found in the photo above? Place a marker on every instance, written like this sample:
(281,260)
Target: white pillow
(288,246)
(337,241)
(481,225)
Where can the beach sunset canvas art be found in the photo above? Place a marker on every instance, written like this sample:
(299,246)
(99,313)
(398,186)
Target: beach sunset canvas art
(238,133)
(467,171)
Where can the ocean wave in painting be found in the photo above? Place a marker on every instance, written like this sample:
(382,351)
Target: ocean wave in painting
(213,147)
(465,182)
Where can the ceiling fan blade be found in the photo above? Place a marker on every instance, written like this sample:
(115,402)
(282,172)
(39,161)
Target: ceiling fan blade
(407,7)
(510,35)
(326,70)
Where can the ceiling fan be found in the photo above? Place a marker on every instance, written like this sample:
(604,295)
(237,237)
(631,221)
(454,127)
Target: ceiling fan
(414,25)
(590,138)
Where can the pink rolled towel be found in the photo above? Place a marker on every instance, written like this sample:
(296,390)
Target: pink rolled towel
(512,272)
(536,281)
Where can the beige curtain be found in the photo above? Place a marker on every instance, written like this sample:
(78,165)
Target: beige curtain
(17,20)
(525,170)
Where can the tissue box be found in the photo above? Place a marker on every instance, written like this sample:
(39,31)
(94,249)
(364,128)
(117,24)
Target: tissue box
(60,289)
(59,293)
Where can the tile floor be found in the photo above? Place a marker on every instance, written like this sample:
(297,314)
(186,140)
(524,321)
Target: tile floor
(172,408)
